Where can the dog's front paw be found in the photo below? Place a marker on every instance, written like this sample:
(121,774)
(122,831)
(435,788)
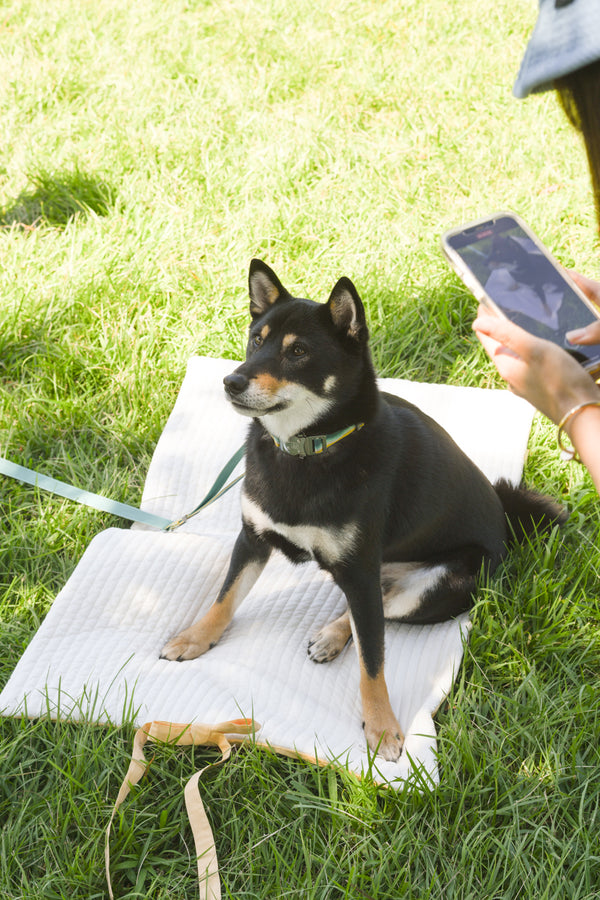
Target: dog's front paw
(386,742)
(187,644)
(329,642)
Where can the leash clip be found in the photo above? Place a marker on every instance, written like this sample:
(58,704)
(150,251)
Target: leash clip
(173,525)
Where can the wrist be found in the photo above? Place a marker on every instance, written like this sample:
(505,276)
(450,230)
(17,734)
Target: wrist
(570,397)
(572,422)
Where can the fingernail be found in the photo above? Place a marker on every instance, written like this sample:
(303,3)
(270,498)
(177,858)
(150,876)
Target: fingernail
(576,335)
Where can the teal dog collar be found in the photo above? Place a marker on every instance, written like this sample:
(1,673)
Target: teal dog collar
(311,445)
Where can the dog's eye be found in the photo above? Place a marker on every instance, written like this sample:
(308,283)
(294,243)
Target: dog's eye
(257,340)
(298,350)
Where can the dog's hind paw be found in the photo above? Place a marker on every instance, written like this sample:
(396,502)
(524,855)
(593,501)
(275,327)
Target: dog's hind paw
(329,642)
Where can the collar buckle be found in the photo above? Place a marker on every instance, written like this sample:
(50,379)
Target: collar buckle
(302,445)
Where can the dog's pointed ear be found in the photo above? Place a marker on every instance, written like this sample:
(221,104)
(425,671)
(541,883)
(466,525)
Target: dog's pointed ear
(347,311)
(264,287)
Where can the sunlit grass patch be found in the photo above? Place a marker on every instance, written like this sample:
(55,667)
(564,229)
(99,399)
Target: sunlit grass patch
(150,150)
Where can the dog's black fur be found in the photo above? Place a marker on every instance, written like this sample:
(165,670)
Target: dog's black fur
(396,512)
(532,269)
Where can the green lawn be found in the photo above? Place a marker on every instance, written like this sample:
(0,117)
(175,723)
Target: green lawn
(149,150)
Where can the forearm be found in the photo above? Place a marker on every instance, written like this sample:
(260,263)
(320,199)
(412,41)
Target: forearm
(548,378)
(584,432)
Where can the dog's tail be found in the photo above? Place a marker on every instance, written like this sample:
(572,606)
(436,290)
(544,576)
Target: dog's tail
(528,511)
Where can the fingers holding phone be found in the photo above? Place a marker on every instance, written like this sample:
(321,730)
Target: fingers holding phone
(510,271)
(534,368)
(590,288)
(591,333)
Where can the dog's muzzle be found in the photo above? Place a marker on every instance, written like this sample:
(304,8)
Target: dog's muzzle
(245,399)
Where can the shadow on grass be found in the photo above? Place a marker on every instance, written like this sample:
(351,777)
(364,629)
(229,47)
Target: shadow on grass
(56,199)
(425,334)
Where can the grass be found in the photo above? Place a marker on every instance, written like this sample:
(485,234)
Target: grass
(57,200)
(150,150)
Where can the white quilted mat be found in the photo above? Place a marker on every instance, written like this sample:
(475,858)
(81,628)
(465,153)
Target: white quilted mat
(96,655)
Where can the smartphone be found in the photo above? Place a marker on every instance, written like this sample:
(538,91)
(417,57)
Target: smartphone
(509,270)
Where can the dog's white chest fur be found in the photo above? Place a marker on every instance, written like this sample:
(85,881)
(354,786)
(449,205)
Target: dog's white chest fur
(329,544)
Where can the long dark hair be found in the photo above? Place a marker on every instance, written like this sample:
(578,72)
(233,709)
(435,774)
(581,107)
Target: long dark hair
(579,94)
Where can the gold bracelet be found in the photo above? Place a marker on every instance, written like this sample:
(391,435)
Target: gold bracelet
(571,454)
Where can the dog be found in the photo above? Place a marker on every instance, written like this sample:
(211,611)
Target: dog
(362,482)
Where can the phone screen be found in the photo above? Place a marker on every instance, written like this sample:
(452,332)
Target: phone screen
(524,283)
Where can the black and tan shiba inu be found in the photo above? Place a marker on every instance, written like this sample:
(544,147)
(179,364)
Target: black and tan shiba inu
(364,483)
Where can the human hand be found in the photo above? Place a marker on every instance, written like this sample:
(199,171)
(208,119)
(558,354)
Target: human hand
(538,370)
(591,333)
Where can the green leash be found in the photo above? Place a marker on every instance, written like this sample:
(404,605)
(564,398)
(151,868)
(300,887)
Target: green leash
(124,510)
(217,490)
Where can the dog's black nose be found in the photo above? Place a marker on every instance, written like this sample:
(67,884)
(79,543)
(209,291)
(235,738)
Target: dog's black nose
(235,383)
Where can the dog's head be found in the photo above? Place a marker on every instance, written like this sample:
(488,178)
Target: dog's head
(505,252)
(303,358)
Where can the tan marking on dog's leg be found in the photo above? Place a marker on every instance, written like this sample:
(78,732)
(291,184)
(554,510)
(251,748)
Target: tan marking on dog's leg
(330,640)
(382,731)
(204,634)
